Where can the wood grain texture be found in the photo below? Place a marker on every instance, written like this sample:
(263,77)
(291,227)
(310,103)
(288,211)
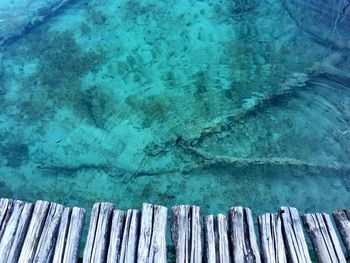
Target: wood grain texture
(295,243)
(242,235)
(117,228)
(342,220)
(323,237)
(271,239)
(34,231)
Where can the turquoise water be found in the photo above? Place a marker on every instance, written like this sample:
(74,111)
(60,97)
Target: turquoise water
(211,103)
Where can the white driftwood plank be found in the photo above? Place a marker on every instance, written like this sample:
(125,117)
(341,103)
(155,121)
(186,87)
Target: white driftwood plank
(295,243)
(222,229)
(20,233)
(272,245)
(196,234)
(35,228)
(186,233)
(62,236)
(116,236)
(180,232)
(128,251)
(145,233)
(99,252)
(47,241)
(209,237)
(216,239)
(4,205)
(87,255)
(7,211)
(75,231)
(342,220)
(157,250)
(242,235)
(323,238)
(10,230)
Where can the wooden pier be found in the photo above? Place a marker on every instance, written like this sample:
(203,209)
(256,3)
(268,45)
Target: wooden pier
(49,232)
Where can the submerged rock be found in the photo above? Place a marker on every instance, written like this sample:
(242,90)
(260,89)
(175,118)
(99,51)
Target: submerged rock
(18,16)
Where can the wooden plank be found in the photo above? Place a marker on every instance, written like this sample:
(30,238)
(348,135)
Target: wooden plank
(209,239)
(20,233)
(295,243)
(75,231)
(242,235)
(342,220)
(118,222)
(35,228)
(196,234)
(10,230)
(157,250)
(4,205)
(323,238)
(62,236)
(128,251)
(87,255)
(7,211)
(48,237)
(98,236)
(186,233)
(272,245)
(145,233)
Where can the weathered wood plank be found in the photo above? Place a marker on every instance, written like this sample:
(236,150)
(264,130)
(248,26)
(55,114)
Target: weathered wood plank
(98,236)
(10,230)
(35,228)
(128,251)
(48,237)
(75,231)
(7,211)
(242,235)
(342,220)
(118,222)
(209,239)
(20,233)
(62,236)
(295,243)
(157,249)
(323,238)
(4,205)
(272,245)
(186,233)
(145,233)
(87,255)
(223,247)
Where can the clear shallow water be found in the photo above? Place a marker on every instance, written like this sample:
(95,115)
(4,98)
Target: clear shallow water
(213,103)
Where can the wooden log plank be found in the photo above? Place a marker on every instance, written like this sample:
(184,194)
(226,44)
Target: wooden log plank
(7,211)
(98,236)
(342,220)
(128,251)
(118,222)
(145,233)
(242,235)
(272,245)
(323,238)
(62,236)
(186,233)
(157,250)
(295,243)
(209,237)
(196,234)
(75,231)
(20,233)
(48,237)
(4,205)
(10,230)
(35,228)
(223,247)
(87,254)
